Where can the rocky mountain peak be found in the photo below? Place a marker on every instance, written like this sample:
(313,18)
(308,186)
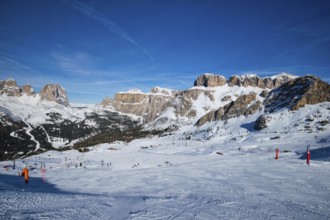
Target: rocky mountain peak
(163,91)
(255,81)
(27,89)
(54,92)
(9,87)
(210,80)
(10,83)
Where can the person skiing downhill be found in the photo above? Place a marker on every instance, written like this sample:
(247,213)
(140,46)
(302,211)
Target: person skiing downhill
(25,172)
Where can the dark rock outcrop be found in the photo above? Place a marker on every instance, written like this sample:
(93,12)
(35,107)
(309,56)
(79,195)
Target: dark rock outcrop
(261,122)
(264,93)
(307,90)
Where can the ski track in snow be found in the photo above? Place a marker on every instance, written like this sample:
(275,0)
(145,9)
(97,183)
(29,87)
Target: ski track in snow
(245,186)
(13,134)
(47,135)
(28,132)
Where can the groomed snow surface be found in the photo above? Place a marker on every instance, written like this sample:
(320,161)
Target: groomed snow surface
(169,178)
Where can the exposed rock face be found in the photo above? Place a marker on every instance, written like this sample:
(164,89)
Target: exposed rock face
(253,108)
(9,83)
(183,101)
(264,93)
(298,93)
(27,89)
(54,92)
(131,103)
(210,80)
(211,116)
(150,105)
(238,107)
(255,81)
(146,105)
(9,87)
(261,122)
(244,105)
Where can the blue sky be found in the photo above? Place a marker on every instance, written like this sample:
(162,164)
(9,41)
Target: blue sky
(96,48)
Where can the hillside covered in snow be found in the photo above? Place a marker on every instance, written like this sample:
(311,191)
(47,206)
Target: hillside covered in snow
(207,152)
(32,123)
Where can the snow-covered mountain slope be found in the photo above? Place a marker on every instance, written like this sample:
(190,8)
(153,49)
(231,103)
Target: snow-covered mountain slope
(200,105)
(311,119)
(208,92)
(190,105)
(29,124)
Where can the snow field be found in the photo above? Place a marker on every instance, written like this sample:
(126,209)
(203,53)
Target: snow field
(165,178)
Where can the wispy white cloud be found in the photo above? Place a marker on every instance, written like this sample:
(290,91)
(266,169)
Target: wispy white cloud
(24,74)
(73,64)
(87,66)
(78,64)
(18,70)
(105,21)
(14,64)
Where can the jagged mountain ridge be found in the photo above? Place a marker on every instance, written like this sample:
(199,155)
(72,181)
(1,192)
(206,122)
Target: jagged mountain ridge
(10,88)
(50,92)
(245,102)
(150,105)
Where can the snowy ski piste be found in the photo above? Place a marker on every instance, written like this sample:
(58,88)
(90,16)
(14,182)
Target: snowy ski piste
(169,178)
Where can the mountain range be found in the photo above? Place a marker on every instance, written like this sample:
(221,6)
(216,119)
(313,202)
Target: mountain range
(31,123)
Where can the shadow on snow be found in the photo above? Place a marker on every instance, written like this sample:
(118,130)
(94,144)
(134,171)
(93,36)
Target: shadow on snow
(321,154)
(36,185)
(249,126)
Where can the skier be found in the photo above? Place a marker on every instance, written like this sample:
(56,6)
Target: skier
(25,172)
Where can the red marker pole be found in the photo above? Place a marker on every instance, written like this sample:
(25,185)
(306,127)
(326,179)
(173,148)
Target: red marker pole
(308,155)
(277,152)
(43,171)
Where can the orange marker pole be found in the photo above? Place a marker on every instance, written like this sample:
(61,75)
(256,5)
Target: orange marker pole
(277,152)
